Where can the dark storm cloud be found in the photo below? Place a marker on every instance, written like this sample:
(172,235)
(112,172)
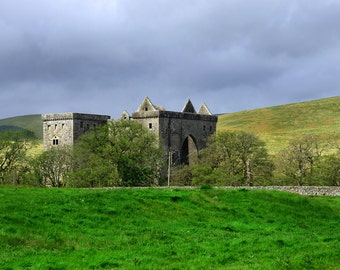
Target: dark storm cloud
(104,56)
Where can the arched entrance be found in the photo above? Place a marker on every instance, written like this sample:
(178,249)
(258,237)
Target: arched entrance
(189,149)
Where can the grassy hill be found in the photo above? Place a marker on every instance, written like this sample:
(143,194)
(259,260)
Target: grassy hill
(279,124)
(167,229)
(27,122)
(275,125)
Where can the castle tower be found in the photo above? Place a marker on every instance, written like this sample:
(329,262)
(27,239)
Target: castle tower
(64,128)
(179,133)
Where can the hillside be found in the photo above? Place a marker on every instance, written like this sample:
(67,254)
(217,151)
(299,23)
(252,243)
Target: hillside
(275,125)
(28,122)
(278,125)
(167,229)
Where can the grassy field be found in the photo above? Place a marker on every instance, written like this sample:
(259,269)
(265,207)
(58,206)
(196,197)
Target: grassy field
(167,229)
(279,124)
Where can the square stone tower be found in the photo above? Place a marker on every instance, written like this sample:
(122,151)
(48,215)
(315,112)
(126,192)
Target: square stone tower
(61,129)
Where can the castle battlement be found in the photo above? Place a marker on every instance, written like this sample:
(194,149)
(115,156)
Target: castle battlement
(175,115)
(74,116)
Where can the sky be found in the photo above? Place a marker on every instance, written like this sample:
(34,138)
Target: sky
(105,56)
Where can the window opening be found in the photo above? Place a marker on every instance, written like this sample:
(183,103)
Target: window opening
(55,142)
(150,125)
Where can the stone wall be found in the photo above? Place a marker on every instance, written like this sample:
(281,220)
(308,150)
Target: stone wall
(176,133)
(174,129)
(302,190)
(84,122)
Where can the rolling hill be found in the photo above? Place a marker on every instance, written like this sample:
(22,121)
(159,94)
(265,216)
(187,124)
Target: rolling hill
(278,125)
(31,122)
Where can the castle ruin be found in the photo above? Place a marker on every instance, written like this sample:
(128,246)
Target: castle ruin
(180,134)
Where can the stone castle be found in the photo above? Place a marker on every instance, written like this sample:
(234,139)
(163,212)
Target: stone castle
(180,133)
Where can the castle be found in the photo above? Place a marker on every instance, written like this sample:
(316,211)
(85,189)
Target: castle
(179,133)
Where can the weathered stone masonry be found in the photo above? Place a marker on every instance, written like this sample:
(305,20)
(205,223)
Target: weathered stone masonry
(179,133)
(64,128)
(302,190)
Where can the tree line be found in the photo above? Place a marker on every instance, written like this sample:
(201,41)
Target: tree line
(124,153)
(241,158)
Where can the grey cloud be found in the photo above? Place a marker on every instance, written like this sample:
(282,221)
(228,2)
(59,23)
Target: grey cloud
(217,51)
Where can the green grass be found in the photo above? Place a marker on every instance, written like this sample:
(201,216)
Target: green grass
(279,124)
(167,229)
(31,122)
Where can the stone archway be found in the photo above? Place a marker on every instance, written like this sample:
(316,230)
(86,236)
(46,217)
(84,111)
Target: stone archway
(189,148)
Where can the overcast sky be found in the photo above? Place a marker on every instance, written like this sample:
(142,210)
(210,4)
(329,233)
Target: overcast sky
(105,56)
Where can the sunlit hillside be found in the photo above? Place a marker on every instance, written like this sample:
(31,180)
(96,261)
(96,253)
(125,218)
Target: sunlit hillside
(30,122)
(279,124)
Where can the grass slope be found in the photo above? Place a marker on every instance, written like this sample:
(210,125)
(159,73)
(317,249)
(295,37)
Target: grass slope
(29,122)
(279,124)
(167,229)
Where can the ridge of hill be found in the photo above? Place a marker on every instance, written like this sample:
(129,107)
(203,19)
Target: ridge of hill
(278,125)
(30,122)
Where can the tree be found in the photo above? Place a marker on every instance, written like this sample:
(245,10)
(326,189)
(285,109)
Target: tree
(13,149)
(52,166)
(121,153)
(297,162)
(327,171)
(234,158)
(181,175)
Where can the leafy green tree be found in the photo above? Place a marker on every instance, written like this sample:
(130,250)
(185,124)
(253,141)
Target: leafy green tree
(52,166)
(13,150)
(297,162)
(181,175)
(327,171)
(93,166)
(121,153)
(233,158)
